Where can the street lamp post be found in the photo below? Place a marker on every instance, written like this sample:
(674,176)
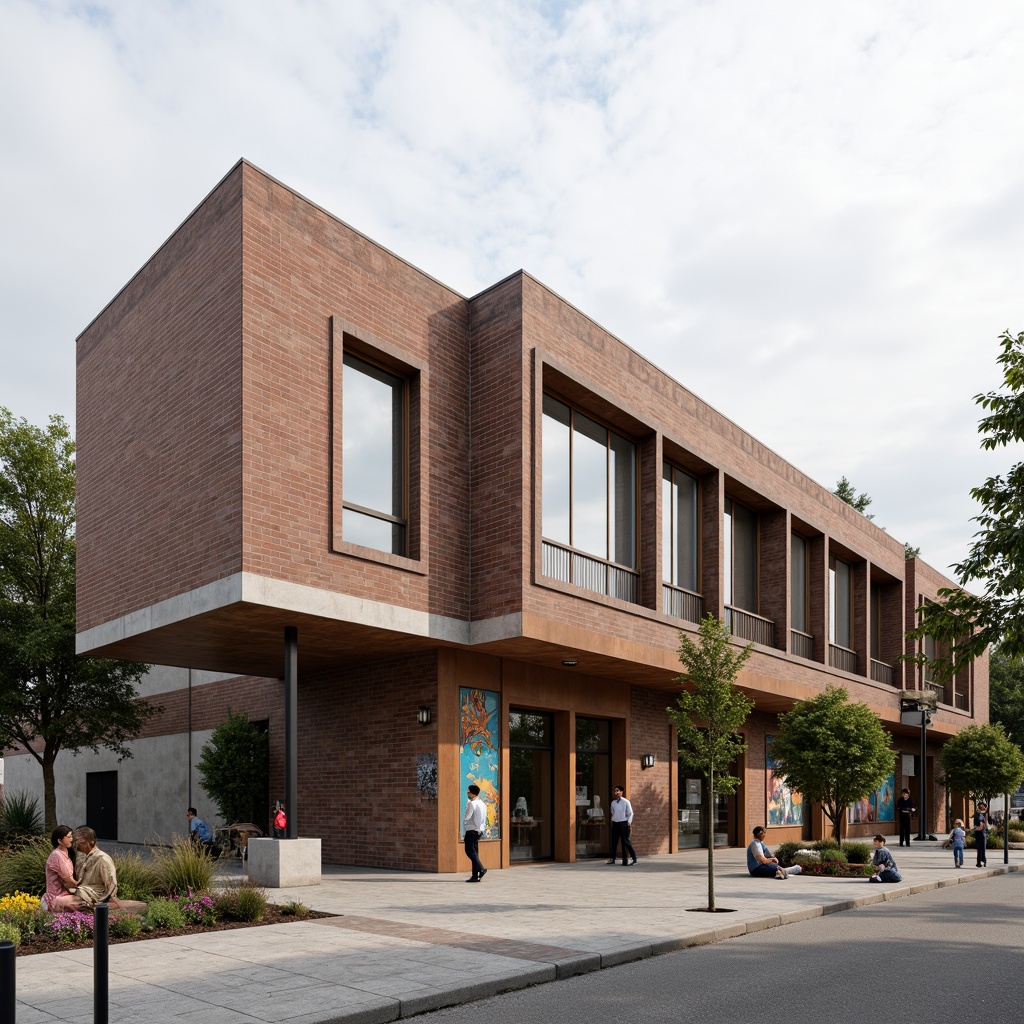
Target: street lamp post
(915,706)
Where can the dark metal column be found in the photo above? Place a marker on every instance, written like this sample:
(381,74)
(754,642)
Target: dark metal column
(291,730)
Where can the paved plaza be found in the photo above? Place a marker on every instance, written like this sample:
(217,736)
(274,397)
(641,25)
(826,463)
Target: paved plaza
(407,942)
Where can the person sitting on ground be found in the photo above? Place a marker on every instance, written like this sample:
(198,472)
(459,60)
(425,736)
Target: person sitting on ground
(761,863)
(96,871)
(883,866)
(198,830)
(61,884)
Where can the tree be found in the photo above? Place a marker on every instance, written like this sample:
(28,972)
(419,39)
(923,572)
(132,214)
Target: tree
(980,762)
(709,717)
(909,551)
(51,699)
(233,767)
(964,623)
(1006,694)
(833,752)
(848,493)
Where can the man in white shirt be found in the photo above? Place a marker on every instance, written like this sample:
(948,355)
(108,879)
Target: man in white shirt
(473,823)
(622,821)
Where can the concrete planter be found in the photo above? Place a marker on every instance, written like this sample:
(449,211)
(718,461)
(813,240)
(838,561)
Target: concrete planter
(280,863)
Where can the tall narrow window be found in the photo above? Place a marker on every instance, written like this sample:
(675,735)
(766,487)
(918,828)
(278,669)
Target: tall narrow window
(373,457)
(741,590)
(876,623)
(589,485)
(589,495)
(798,583)
(679,528)
(840,604)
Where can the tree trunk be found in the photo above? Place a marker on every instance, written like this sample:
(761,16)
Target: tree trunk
(49,792)
(711,840)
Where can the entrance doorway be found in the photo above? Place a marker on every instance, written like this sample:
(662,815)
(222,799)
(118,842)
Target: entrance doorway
(593,786)
(101,803)
(532,777)
(693,826)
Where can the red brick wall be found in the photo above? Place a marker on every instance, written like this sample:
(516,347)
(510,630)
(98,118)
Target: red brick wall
(651,791)
(158,425)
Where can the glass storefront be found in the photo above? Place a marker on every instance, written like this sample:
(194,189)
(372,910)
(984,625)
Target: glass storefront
(531,773)
(692,815)
(593,786)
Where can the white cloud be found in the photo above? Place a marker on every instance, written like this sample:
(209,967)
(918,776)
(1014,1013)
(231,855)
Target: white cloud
(810,215)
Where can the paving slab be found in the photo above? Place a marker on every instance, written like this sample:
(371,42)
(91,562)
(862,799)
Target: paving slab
(408,942)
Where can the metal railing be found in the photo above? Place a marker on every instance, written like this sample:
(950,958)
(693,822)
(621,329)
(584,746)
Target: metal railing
(681,603)
(842,658)
(801,644)
(748,626)
(881,672)
(562,563)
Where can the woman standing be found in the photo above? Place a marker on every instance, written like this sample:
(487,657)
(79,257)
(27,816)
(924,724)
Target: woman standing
(981,833)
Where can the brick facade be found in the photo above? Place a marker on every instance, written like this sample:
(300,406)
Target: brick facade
(211,481)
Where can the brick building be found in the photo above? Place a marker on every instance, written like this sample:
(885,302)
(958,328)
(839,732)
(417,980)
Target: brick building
(488,520)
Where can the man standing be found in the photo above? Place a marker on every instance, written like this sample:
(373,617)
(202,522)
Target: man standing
(622,821)
(904,809)
(198,831)
(980,833)
(473,822)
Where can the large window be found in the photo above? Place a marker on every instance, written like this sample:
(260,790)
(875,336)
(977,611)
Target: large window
(679,528)
(740,557)
(840,603)
(374,457)
(589,501)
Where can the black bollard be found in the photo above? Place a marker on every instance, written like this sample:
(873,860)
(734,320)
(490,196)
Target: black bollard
(6,983)
(100,964)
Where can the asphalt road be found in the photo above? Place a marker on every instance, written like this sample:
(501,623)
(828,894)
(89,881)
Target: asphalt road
(949,955)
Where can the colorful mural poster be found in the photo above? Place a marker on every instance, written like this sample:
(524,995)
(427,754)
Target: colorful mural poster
(479,746)
(876,807)
(785,805)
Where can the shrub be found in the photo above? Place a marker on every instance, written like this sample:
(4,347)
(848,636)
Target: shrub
(857,853)
(786,852)
(296,909)
(833,855)
(243,902)
(10,932)
(70,926)
(185,868)
(20,818)
(825,844)
(126,927)
(136,879)
(23,868)
(22,911)
(164,914)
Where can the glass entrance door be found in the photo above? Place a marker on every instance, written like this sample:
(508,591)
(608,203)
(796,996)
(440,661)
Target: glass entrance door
(593,786)
(531,773)
(693,826)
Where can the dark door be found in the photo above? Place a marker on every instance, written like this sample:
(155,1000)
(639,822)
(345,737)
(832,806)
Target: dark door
(101,803)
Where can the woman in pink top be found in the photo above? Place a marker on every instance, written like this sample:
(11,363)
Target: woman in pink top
(60,874)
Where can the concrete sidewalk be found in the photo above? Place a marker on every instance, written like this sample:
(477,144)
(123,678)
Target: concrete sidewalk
(408,942)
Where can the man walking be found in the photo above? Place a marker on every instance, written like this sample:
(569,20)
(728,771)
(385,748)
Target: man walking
(904,809)
(622,821)
(473,822)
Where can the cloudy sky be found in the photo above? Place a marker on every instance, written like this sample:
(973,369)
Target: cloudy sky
(810,214)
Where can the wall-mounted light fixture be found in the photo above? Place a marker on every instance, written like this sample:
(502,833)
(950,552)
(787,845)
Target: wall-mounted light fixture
(423,715)
(570,663)
(646,761)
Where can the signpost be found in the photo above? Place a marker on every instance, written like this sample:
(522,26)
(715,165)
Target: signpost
(915,706)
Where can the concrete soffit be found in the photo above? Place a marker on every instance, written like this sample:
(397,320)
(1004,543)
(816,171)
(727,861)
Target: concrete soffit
(248,588)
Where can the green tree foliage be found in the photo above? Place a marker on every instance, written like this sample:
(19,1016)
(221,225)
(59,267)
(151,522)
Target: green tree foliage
(50,699)
(708,717)
(909,551)
(233,767)
(1006,694)
(981,762)
(833,751)
(845,491)
(965,623)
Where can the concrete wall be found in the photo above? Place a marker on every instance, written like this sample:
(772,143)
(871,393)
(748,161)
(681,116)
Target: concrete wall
(152,791)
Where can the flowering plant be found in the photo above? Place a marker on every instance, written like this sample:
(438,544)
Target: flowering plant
(71,925)
(196,909)
(17,903)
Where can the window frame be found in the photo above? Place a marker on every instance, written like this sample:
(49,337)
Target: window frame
(729,555)
(670,528)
